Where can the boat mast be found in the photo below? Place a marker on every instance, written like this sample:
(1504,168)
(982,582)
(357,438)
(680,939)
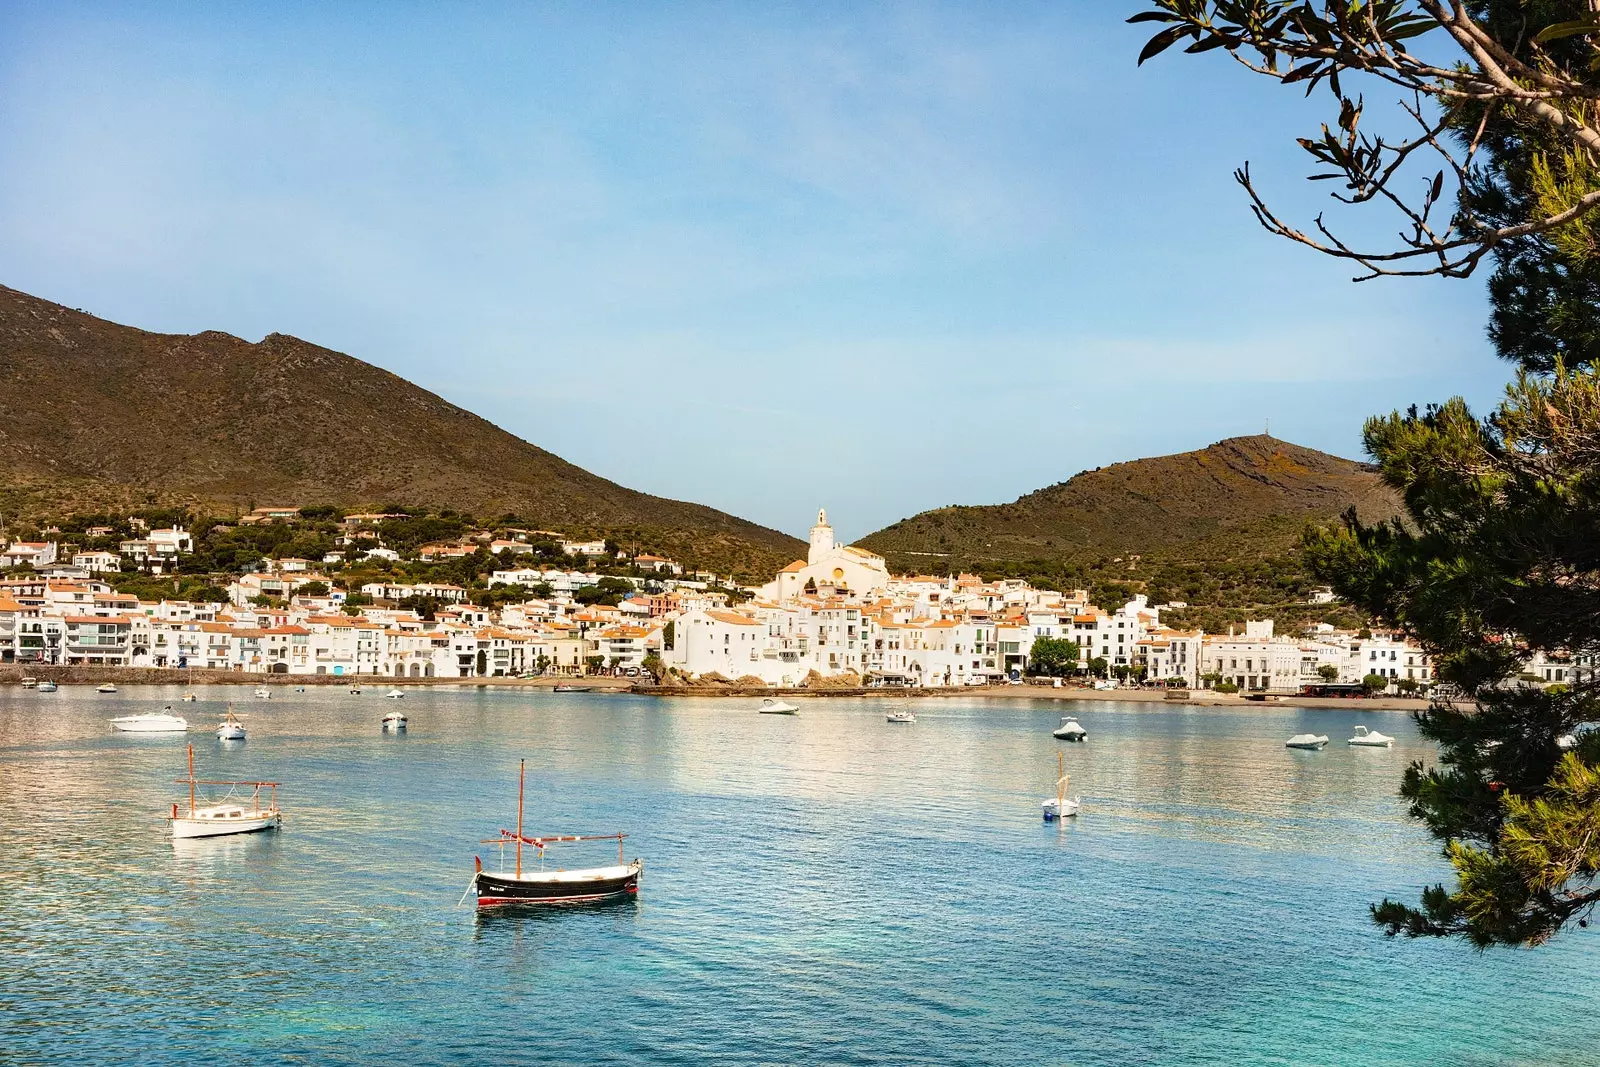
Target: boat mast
(522,776)
(1061,782)
(191,779)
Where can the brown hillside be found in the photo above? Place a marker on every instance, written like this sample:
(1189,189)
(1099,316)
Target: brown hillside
(1235,492)
(94,414)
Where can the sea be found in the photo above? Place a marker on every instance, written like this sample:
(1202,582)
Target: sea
(827,888)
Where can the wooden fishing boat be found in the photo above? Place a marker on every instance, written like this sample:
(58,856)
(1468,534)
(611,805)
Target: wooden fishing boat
(541,886)
(1061,806)
(564,688)
(226,816)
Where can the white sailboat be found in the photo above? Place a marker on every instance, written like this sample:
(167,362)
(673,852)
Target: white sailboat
(1061,806)
(231,729)
(151,722)
(1366,738)
(226,817)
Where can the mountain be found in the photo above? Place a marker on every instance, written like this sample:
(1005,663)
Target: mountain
(96,416)
(1218,525)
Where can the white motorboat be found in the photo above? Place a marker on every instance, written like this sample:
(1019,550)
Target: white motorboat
(151,722)
(1070,730)
(30,683)
(189,698)
(1061,806)
(263,693)
(394,694)
(1307,741)
(1366,738)
(226,817)
(47,686)
(395,721)
(773,706)
(905,715)
(106,688)
(231,728)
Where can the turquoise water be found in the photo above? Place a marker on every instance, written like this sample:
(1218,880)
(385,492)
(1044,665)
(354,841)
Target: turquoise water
(822,889)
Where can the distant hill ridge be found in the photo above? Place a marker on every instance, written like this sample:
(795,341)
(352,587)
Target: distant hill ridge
(1242,490)
(96,415)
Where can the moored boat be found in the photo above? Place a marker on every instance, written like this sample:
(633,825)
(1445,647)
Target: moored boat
(1070,730)
(773,706)
(1061,806)
(1312,742)
(565,688)
(30,683)
(227,816)
(581,885)
(151,722)
(394,722)
(263,693)
(47,686)
(106,687)
(1366,738)
(189,698)
(395,694)
(230,729)
(904,715)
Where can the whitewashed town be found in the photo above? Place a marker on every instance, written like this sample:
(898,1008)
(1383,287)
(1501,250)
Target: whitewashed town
(835,618)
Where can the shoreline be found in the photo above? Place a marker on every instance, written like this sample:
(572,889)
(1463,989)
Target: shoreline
(11,676)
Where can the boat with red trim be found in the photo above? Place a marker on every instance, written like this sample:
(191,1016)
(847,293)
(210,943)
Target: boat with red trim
(541,885)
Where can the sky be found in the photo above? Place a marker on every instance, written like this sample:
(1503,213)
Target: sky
(767,257)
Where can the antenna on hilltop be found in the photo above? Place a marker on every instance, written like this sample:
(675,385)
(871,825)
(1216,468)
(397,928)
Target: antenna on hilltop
(1269,427)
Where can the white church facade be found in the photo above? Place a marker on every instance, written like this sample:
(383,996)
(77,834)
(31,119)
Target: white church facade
(830,569)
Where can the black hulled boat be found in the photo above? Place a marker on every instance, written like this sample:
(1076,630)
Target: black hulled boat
(581,885)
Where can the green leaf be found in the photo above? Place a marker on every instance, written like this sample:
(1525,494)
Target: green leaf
(1567,29)
(1163,41)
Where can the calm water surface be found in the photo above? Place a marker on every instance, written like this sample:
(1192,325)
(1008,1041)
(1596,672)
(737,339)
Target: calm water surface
(822,889)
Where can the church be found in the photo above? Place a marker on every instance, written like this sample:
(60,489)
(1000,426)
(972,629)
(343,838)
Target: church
(830,569)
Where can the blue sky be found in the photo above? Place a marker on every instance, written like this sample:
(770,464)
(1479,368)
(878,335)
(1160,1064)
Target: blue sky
(766,257)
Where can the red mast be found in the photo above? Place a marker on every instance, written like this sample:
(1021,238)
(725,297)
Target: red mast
(191,780)
(522,775)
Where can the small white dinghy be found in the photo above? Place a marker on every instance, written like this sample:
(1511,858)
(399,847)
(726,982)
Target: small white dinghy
(1061,806)
(394,722)
(1307,741)
(189,698)
(151,722)
(227,817)
(1366,738)
(901,715)
(395,694)
(231,729)
(47,686)
(263,693)
(106,688)
(772,706)
(1070,730)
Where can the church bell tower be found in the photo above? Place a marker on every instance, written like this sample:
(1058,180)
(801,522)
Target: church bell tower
(821,537)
